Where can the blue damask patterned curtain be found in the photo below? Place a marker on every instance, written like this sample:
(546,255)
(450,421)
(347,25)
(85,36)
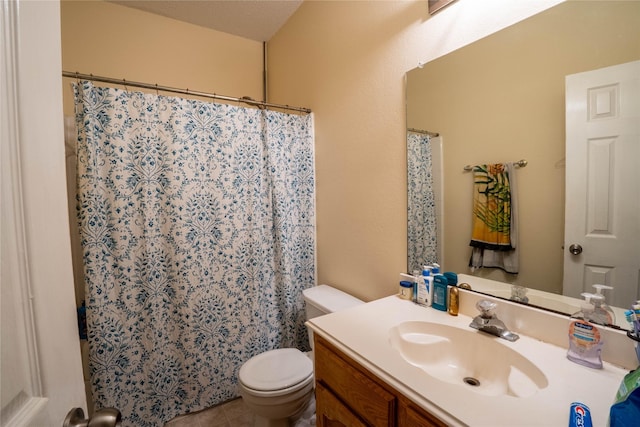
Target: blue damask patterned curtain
(197,223)
(422,248)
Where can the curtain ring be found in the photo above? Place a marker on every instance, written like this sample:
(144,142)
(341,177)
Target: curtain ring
(124,83)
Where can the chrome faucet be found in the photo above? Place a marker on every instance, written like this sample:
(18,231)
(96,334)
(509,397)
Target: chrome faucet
(487,321)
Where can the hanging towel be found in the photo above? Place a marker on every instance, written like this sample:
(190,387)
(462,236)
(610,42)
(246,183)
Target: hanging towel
(495,229)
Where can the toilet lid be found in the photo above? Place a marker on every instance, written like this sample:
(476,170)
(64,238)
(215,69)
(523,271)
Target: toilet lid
(276,369)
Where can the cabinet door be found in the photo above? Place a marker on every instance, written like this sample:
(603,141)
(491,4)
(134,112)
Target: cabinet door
(409,415)
(354,386)
(331,412)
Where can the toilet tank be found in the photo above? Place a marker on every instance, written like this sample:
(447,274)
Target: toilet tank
(324,299)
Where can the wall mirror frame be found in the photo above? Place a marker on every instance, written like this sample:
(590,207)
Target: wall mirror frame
(502,99)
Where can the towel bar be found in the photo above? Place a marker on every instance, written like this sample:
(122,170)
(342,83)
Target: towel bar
(521,163)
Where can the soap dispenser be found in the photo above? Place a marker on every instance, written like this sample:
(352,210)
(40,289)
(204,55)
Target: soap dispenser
(602,313)
(435,268)
(586,308)
(585,344)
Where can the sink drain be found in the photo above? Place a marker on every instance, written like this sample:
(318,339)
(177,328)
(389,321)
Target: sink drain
(471,381)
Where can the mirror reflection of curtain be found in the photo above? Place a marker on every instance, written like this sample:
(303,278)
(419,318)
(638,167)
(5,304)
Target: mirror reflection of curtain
(422,220)
(197,222)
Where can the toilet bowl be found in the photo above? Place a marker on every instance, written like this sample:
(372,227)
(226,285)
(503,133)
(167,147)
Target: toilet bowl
(277,385)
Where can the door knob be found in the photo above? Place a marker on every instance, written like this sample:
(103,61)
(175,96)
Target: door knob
(575,249)
(107,417)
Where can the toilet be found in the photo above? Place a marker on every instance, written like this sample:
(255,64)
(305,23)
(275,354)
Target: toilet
(277,385)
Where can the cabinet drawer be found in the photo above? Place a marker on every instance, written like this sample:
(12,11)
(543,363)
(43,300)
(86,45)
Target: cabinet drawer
(333,413)
(366,398)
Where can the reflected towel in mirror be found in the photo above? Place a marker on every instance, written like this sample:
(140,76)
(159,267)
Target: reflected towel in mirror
(495,231)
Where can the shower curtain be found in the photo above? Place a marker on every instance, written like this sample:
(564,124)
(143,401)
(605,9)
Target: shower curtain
(197,222)
(422,248)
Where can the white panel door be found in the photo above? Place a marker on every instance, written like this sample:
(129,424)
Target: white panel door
(602,210)
(41,369)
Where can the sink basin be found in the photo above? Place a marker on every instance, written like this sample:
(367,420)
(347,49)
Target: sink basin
(469,358)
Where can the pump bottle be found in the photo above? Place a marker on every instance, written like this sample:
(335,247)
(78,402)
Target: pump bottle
(585,344)
(424,295)
(602,313)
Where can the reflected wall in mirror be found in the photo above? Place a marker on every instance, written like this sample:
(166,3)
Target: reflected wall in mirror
(502,99)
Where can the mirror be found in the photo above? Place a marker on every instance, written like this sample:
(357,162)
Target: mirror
(502,99)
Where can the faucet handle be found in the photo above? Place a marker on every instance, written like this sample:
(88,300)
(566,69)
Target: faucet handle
(486,308)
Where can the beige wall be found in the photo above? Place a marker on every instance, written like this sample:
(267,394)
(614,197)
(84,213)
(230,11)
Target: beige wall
(347,60)
(107,39)
(503,100)
(344,59)
(110,40)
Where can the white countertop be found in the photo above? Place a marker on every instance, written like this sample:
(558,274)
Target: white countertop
(362,333)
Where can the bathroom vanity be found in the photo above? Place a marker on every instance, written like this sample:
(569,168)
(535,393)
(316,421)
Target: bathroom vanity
(393,363)
(347,393)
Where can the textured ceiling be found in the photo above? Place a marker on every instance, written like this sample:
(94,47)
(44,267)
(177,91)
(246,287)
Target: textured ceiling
(252,19)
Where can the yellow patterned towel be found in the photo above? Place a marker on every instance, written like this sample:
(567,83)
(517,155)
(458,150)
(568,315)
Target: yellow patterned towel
(491,208)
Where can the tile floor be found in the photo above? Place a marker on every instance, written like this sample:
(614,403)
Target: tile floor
(235,414)
(229,414)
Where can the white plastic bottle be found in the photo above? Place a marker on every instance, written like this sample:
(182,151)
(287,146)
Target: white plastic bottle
(435,268)
(603,314)
(424,295)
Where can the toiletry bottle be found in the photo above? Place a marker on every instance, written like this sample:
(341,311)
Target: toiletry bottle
(440,284)
(453,304)
(435,268)
(417,279)
(601,309)
(635,308)
(405,290)
(424,296)
(630,317)
(427,274)
(580,415)
(585,344)
(452,278)
(586,308)
(454,301)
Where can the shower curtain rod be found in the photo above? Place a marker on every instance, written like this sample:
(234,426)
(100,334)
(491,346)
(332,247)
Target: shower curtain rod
(425,132)
(245,99)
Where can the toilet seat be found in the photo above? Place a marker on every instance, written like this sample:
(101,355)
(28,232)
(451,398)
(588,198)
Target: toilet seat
(276,372)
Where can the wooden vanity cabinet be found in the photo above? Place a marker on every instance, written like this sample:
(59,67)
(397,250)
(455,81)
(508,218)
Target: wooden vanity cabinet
(349,395)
